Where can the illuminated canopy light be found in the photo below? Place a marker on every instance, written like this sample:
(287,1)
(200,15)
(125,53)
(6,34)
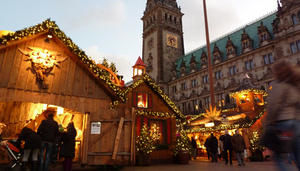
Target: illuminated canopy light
(209,125)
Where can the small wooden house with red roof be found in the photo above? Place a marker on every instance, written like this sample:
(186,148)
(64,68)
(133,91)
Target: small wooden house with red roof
(151,107)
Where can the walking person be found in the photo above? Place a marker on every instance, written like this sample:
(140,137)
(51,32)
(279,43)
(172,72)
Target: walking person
(282,118)
(194,148)
(238,145)
(67,150)
(48,130)
(227,145)
(221,147)
(206,144)
(32,146)
(213,146)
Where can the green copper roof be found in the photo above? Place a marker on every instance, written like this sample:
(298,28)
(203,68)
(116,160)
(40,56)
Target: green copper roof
(251,30)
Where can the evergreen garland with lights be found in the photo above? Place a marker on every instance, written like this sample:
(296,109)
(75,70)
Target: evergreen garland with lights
(51,27)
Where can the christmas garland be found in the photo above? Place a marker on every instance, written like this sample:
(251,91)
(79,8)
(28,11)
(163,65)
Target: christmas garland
(242,124)
(52,28)
(155,114)
(148,80)
(255,91)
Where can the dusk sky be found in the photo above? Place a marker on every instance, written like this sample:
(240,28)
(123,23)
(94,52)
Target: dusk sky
(113,28)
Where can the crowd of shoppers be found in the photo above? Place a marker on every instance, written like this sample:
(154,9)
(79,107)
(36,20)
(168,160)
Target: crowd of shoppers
(41,145)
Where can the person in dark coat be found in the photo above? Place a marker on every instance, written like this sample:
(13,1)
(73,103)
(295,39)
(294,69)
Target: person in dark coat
(67,150)
(2,126)
(227,145)
(238,145)
(213,146)
(194,147)
(48,130)
(206,144)
(32,145)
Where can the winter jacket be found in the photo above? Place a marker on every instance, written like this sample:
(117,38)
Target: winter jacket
(227,144)
(68,144)
(206,144)
(194,143)
(213,144)
(238,143)
(282,102)
(31,138)
(48,130)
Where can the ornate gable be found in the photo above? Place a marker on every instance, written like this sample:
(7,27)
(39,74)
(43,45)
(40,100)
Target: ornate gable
(217,55)
(182,68)
(203,60)
(230,48)
(264,34)
(247,42)
(193,63)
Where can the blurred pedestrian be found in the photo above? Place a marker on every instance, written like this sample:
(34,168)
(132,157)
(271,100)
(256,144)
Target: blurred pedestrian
(213,146)
(32,147)
(48,130)
(206,144)
(2,126)
(67,150)
(221,147)
(281,122)
(227,145)
(194,148)
(238,145)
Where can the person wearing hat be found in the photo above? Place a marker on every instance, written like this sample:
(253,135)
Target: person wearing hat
(238,145)
(48,130)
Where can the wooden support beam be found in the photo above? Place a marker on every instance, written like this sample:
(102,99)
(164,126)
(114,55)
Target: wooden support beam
(132,144)
(117,140)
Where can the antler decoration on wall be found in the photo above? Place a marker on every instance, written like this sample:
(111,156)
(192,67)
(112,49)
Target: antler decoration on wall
(42,63)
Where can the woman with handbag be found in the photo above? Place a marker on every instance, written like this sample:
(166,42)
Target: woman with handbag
(281,113)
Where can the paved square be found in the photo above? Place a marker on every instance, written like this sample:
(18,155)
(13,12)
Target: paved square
(202,165)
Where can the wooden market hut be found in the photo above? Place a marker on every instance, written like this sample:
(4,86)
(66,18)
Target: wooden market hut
(41,67)
(151,107)
(244,113)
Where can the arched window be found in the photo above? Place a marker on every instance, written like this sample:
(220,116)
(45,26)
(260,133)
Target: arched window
(175,20)
(299,15)
(170,18)
(295,19)
(166,16)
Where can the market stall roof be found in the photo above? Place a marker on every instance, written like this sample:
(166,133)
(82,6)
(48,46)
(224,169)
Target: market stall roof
(49,27)
(151,83)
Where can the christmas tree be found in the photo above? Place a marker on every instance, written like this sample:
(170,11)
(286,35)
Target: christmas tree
(144,142)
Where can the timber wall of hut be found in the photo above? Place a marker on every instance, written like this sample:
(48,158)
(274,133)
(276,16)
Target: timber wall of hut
(70,86)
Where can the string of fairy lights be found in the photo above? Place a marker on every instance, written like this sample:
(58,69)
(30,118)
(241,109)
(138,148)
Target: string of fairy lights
(52,28)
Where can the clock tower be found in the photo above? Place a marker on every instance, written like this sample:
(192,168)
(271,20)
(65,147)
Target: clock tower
(162,38)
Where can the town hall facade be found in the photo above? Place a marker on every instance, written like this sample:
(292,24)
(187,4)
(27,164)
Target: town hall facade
(245,53)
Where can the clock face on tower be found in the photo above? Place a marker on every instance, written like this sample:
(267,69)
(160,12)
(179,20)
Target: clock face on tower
(172,40)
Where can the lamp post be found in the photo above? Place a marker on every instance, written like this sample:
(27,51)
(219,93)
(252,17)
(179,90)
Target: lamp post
(211,81)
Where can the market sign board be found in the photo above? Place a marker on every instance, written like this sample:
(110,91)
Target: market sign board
(96,128)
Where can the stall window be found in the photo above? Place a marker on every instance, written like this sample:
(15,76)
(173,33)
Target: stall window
(158,131)
(142,100)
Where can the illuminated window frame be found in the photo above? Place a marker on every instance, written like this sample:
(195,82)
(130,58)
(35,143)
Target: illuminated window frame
(142,100)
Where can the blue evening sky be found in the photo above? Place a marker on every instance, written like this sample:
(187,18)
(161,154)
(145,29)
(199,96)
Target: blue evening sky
(113,29)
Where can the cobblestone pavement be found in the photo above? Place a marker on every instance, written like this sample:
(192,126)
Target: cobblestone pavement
(208,166)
